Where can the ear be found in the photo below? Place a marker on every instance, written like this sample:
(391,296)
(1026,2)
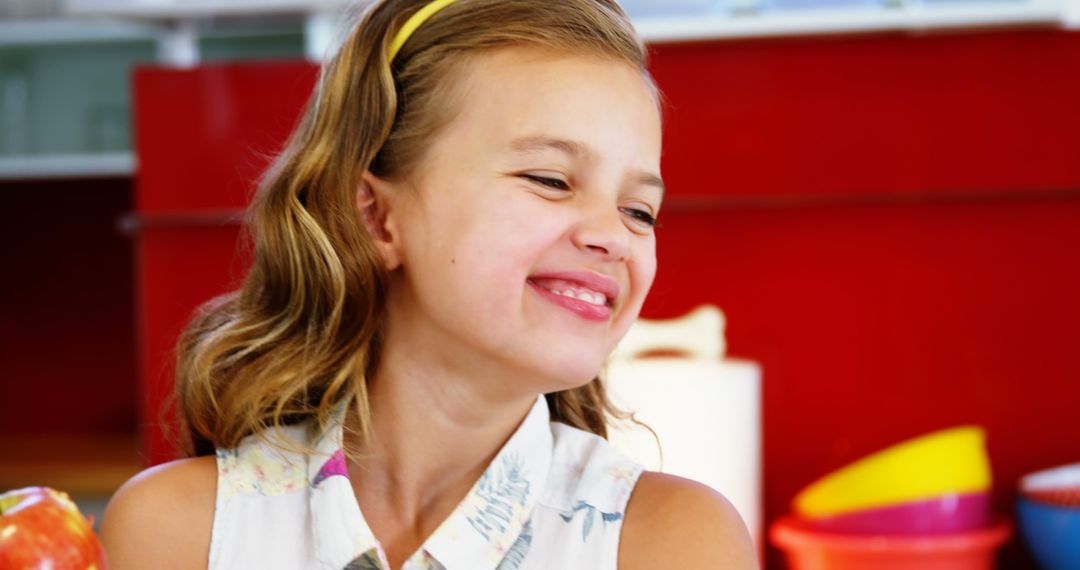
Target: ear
(374,198)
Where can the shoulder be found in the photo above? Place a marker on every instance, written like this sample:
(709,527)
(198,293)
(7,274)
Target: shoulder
(675,522)
(165,515)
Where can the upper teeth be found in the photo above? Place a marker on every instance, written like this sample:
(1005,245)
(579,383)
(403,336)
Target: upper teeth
(592,298)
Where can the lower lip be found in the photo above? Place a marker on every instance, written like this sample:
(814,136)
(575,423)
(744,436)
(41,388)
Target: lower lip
(582,309)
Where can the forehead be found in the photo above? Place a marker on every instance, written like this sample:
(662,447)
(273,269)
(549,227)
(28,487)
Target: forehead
(513,93)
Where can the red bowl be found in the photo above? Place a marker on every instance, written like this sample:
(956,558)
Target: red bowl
(1058,486)
(1064,497)
(812,550)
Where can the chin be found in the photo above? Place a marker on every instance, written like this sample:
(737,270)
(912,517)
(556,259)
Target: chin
(570,375)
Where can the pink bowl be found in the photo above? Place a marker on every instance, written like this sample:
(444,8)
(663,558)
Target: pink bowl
(940,515)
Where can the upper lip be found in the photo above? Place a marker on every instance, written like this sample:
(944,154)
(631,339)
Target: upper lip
(587,279)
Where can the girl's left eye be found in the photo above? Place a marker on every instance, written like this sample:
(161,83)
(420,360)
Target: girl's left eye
(641,216)
(553,183)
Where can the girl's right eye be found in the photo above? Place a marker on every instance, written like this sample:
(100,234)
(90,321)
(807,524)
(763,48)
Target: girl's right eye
(553,183)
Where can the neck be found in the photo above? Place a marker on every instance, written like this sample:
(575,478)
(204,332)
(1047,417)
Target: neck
(435,428)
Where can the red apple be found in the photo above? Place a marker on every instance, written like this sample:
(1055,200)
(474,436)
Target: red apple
(42,528)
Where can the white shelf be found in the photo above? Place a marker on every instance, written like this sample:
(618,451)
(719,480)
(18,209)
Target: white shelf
(911,15)
(104,20)
(193,9)
(849,20)
(62,31)
(97,165)
(1072,14)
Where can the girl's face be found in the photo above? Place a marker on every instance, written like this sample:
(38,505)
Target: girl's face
(525,237)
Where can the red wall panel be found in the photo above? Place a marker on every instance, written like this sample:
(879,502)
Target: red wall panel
(204,136)
(842,115)
(890,223)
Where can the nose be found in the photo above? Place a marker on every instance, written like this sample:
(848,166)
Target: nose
(601,232)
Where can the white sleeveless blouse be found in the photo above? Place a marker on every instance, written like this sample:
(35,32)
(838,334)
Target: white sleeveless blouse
(553,497)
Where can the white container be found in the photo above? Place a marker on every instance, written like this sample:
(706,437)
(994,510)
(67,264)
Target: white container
(704,408)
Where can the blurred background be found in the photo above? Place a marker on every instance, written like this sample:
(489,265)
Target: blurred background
(882,195)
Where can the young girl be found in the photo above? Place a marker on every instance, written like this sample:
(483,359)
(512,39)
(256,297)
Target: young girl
(458,233)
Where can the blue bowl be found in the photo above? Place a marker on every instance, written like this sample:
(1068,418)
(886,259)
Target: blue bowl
(1052,533)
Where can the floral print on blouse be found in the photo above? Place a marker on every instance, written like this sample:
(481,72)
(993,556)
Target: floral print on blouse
(553,497)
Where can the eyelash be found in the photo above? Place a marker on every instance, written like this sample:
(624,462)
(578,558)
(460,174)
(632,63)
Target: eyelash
(556,184)
(553,183)
(642,216)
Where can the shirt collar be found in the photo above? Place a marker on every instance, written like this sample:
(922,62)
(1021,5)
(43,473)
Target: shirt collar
(478,533)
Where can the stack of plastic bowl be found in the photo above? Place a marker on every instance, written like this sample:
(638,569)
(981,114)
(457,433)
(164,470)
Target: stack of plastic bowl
(922,504)
(1049,514)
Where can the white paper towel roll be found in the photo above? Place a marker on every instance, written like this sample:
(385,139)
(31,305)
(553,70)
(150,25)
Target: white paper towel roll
(706,413)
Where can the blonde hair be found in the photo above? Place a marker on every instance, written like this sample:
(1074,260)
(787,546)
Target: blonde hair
(303,331)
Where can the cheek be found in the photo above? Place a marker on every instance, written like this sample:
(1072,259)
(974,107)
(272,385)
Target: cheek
(516,231)
(643,269)
(491,260)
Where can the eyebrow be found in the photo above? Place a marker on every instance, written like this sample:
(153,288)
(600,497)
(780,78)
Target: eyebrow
(576,149)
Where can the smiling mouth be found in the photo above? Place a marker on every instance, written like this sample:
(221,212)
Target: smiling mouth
(577,298)
(570,290)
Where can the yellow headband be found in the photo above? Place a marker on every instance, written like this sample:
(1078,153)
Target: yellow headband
(414,22)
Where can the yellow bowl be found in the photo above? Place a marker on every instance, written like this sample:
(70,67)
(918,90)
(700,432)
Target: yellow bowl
(947,461)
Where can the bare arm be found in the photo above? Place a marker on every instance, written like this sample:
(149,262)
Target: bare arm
(162,517)
(673,522)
